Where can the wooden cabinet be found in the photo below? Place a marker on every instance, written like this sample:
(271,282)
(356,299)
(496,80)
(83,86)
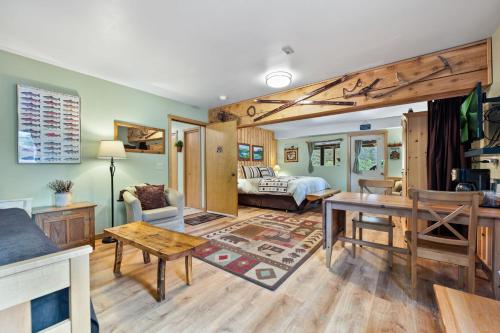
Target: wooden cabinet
(69,226)
(414,126)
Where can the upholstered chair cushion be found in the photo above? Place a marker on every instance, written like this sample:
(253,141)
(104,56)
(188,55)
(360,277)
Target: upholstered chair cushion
(159,213)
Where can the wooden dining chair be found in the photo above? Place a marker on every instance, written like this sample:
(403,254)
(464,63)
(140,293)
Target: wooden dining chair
(453,249)
(383,224)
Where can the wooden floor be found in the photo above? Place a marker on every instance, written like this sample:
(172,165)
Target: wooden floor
(355,295)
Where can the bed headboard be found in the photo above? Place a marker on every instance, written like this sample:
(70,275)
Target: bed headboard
(17,203)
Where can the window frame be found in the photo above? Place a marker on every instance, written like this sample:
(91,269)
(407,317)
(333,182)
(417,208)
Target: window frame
(322,149)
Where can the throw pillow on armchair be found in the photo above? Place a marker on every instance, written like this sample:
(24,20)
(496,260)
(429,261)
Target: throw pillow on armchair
(151,196)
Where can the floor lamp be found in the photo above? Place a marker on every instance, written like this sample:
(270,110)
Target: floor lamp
(111,150)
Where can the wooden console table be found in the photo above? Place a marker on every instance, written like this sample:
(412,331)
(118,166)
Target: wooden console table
(165,244)
(334,222)
(68,226)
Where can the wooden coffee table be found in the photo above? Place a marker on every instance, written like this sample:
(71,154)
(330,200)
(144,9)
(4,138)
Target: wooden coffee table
(165,244)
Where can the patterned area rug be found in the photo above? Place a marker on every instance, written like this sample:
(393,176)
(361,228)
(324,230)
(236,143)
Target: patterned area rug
(265,249)
(200,218)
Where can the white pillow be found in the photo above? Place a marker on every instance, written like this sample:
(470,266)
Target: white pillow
(266,172)
(250,172)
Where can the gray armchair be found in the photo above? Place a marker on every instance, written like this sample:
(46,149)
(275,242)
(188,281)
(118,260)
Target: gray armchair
(170,217)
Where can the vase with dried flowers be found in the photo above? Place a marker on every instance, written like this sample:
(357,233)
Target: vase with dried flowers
(62,192)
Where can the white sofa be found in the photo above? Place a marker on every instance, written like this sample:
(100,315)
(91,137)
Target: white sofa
(170,217)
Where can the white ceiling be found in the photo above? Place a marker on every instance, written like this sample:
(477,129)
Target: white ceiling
(194,51)
(380,118)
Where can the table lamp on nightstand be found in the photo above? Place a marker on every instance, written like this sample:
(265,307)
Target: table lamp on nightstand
(111,150)
(276,170)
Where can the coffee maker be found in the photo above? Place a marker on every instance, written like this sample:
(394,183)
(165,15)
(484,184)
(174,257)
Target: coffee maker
(467,180)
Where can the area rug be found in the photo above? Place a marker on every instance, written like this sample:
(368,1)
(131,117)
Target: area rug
(265,249)
(200,218)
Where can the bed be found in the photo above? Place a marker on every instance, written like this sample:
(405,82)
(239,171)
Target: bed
(41,287)
(285,192)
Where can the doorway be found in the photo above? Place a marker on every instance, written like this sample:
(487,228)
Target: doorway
(367,157)
(186,172)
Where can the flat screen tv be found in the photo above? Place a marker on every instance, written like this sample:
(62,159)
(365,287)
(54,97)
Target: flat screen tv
(471,116)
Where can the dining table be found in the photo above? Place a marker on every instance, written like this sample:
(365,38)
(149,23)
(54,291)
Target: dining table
(334,223)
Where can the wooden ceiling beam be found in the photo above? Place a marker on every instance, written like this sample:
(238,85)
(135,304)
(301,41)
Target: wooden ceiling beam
(469,64)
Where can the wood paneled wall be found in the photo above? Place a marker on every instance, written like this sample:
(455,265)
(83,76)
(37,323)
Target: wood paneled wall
(260,137)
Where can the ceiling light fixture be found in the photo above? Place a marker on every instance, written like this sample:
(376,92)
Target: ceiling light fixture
(278,79)
(222,97)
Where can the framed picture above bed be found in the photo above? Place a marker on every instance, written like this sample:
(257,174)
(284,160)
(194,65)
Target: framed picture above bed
(257,153)
(243,152)
(291,154)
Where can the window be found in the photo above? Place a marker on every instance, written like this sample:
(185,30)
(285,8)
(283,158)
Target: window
(325,154)
(368,156)
(328,156)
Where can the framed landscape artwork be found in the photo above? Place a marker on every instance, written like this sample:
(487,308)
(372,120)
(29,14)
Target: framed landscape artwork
(48,126)
(257,153)
(243,152)
(291,154)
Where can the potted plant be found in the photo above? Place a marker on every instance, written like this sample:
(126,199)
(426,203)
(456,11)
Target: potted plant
(62,191)
(179,144)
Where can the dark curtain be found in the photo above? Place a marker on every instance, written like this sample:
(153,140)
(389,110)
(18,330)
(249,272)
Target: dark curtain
(444,151)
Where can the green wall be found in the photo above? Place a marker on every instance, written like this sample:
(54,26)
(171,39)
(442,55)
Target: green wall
(394,167)
(336,175)
(102,102)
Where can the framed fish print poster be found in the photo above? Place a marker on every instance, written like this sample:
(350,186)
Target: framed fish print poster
(48,126)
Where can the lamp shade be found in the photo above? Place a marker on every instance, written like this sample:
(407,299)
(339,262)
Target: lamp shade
(276,168)
(111,149)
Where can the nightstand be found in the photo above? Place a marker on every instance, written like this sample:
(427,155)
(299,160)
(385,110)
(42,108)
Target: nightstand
(68,226)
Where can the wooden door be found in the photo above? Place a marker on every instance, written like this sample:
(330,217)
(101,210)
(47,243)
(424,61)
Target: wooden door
(173,181)
(221,168)
(192,168)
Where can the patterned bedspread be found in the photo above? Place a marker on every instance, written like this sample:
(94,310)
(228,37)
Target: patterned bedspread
(274,184)
(296,186)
